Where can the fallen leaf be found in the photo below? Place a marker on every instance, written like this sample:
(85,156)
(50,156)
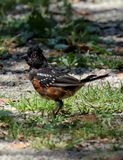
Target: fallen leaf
(120,75)
(19,145)
(84,48)
(4,101)
(118,50)
(90,118)
(55,53)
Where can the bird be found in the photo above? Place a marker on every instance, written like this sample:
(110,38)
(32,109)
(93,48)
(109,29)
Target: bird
(51,83)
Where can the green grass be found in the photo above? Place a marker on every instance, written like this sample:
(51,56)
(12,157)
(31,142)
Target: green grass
(88,115)
(89,99)
(89,61)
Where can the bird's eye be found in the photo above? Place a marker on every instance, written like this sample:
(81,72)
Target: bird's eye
(34,55)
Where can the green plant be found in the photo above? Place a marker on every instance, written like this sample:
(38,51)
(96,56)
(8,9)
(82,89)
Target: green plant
(70,60)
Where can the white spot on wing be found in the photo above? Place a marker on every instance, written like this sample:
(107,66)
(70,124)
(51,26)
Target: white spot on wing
(44,75)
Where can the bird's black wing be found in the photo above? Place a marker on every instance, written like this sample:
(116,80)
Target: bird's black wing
(51,77)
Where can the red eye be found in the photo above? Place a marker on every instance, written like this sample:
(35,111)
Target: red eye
(34,55)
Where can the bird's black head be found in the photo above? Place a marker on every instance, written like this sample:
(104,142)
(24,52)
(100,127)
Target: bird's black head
(35,58)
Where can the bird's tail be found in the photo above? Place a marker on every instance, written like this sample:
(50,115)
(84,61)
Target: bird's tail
(93,78)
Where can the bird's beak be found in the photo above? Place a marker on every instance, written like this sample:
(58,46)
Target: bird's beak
(24,56)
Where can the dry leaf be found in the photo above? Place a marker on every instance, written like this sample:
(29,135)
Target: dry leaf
(19,145)
(120,75)
(4,101)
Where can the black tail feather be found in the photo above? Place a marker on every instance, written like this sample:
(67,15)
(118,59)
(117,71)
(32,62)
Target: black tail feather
(93,78)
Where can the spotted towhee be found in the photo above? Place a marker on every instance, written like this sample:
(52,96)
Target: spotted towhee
(51,83)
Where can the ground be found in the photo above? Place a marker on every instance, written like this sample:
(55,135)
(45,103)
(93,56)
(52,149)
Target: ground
(14,83)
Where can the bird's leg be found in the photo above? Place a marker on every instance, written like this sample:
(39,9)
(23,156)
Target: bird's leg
(59,105)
